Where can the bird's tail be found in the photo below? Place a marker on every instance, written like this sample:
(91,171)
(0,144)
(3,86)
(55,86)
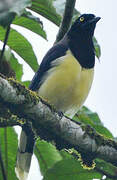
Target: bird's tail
(25,152)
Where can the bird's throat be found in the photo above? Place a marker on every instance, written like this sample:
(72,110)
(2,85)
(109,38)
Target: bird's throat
(83,50)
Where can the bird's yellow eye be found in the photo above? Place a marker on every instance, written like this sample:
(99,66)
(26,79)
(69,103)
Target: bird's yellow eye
(81,19)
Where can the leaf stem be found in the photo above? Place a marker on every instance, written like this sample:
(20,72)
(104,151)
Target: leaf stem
(5,42)
(2,167)
(67,17)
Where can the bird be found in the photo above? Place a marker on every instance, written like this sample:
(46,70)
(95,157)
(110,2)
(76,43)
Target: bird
(64,79)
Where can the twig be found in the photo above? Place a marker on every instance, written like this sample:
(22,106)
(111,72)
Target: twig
(5,42)
(66,21)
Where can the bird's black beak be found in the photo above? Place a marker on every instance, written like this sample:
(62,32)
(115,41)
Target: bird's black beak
(91,22)
(94,20)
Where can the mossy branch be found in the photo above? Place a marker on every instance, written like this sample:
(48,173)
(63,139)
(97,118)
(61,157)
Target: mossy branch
(50,125)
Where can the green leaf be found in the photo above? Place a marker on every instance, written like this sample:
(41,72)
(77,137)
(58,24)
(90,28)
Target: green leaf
(21,46)
(46,9)
(17,67)
(8,9)
(92,115)
(70,169)
(32,23)
(51,9)
(88,117)
(97,48)
(47,155)
(107,168)
(65,154)
(26,83)
(14,64)
(12,151)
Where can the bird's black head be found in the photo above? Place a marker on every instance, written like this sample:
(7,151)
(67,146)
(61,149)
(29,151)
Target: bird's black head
(85,24)
(80,39)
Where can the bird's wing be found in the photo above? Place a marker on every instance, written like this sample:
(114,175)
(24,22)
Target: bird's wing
(55,52)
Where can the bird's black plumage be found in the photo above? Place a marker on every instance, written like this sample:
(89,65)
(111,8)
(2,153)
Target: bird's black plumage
(81,40)
(83,50)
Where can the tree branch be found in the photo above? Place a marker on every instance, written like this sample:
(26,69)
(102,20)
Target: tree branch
(49,125)
(67,17)
(7,118)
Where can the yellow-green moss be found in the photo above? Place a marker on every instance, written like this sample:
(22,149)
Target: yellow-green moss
(85,160)
(86,166)
(30,96)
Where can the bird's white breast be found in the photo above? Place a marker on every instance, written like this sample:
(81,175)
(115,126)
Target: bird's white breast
(66,85)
